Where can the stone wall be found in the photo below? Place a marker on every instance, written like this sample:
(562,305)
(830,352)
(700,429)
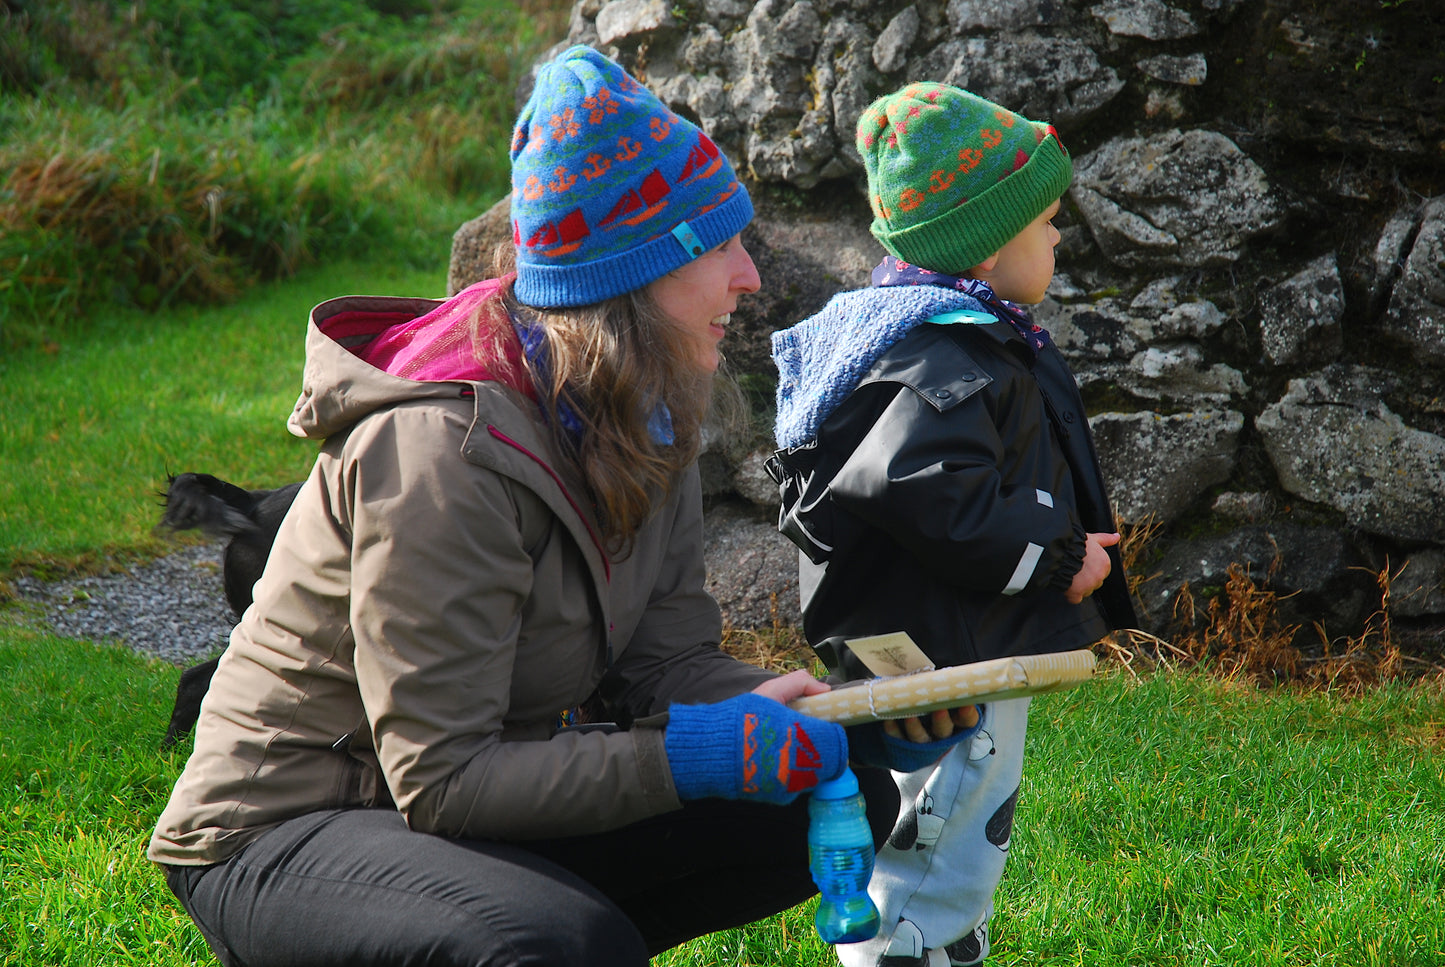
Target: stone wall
(1252,274)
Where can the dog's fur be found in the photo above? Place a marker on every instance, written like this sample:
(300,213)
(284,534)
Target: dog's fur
(248,519)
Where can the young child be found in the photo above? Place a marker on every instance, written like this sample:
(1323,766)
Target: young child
(939,478)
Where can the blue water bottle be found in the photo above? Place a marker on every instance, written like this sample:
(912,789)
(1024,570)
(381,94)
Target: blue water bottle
(840,857)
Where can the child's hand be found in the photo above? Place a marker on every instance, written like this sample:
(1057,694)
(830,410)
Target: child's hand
(928,738)
(940,724)
(1096,567)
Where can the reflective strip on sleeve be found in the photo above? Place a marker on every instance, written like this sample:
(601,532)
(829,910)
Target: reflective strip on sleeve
(1045,498)
(1025,570)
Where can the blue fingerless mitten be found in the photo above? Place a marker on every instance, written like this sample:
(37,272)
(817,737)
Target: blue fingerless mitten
(750,747)
(906,756)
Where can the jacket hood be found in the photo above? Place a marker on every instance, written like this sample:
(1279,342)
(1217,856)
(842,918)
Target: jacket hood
(823,358)
(364,353)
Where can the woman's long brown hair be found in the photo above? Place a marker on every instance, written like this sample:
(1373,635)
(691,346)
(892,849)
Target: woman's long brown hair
(614,363)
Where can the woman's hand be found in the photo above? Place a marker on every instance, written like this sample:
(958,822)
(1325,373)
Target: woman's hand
(793,685)
(751,747)
(938,725)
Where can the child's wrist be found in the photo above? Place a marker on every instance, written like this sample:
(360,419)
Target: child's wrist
(905,755)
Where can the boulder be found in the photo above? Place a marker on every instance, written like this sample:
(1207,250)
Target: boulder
(625,20)
(1191,70)
(1087,331)
(1180,198)
(1313,570)
(473,244)
(1300,317)
(965,16)
(752,570)
(1418,588)
(1150,19)
(1179,371)
(891,49)
(1417,306)
(1333,440)
(1157,465)
(1070,86)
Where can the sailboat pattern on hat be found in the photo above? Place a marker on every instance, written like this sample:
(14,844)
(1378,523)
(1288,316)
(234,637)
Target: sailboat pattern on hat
(600,167)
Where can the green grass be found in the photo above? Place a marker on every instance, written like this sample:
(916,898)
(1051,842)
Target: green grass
(1185,821)
(1176,821)
(180,153)
(1189,821)
(88,434)
(81,781)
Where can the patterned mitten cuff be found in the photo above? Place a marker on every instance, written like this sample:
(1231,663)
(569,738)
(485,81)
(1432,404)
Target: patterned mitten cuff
(750,747)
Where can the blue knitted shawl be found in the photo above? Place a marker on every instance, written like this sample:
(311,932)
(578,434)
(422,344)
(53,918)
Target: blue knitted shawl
(823,358)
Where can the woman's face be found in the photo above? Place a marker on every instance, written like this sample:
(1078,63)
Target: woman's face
(701,295)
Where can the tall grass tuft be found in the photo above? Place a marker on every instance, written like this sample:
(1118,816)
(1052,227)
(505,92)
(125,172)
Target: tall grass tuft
(187,157)
(1240,635)
(75,42)
(133,209)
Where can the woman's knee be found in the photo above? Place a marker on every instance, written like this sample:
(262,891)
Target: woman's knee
(572,929)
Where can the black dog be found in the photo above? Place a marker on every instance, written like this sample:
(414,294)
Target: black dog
(249,519)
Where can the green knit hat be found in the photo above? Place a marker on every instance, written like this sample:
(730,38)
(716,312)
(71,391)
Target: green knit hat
(953,177)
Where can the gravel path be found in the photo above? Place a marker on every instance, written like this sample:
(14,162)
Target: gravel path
(173,607)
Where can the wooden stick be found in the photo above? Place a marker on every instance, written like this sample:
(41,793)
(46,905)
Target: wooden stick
(903,696)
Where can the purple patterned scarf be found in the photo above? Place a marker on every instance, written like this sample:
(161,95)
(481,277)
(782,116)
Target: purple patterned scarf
(892,271)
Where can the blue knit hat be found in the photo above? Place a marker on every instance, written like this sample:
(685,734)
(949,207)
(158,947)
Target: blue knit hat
(610,189)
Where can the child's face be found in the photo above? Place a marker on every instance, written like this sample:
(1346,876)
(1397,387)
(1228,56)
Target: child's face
(1026,263)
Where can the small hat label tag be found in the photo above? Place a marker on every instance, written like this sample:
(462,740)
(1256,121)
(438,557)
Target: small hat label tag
(968,316)
(688,239)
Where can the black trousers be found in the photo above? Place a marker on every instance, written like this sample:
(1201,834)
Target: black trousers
(357,887)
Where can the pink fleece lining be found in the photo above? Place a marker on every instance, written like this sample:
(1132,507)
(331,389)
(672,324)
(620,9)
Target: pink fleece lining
(434,347)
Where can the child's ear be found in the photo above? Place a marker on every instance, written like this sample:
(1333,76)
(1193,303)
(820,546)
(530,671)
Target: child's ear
(984,267)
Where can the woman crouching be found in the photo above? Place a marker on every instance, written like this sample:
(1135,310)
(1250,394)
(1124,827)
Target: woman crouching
(503,523)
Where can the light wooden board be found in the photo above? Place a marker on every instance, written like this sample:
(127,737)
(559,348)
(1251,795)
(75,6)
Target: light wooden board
(922,692)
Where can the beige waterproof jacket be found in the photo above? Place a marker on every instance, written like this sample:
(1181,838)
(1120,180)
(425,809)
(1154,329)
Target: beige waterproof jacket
(433,600)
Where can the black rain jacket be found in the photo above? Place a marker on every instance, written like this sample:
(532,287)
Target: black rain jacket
(948,496)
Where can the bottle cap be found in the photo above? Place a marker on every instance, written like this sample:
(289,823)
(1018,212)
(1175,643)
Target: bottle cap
(845,785)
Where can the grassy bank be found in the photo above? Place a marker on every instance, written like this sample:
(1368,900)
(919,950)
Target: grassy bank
(183,151)
(158,169)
